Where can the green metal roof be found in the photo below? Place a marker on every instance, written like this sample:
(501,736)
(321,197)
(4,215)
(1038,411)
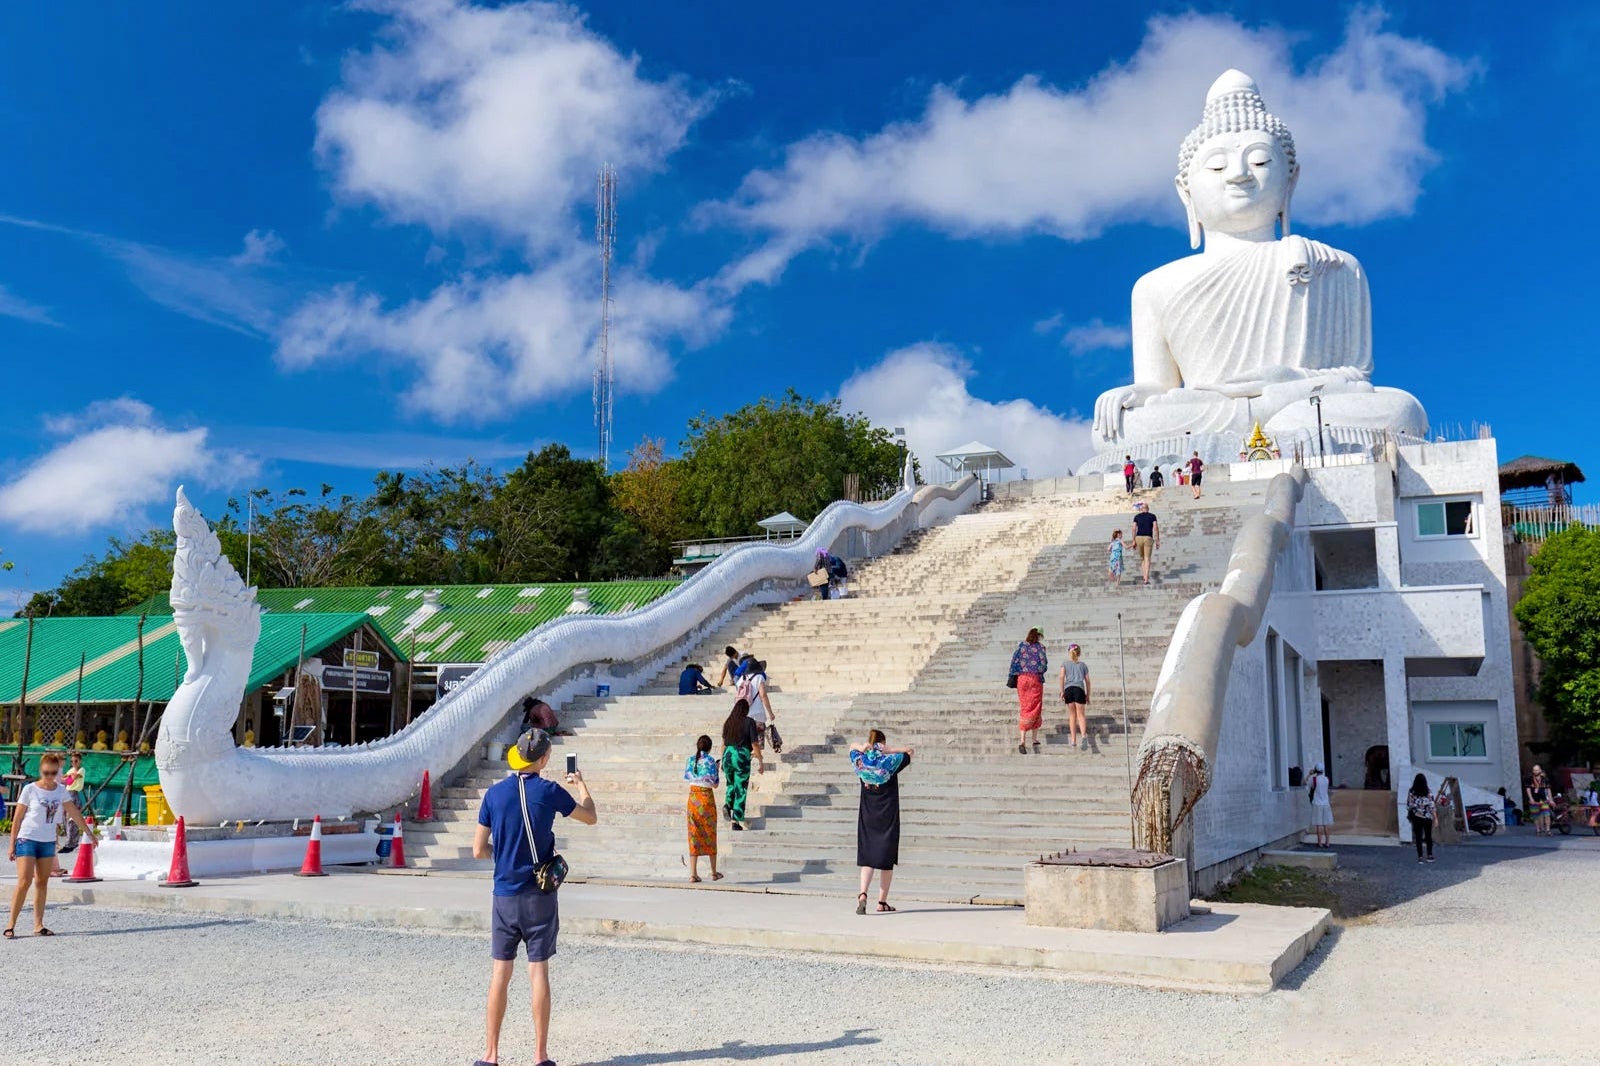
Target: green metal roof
(111,672)
(470,623)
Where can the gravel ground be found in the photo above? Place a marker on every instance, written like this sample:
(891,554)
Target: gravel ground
(1439,974)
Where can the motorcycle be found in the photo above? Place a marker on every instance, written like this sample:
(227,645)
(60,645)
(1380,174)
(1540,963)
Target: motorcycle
(1483,819)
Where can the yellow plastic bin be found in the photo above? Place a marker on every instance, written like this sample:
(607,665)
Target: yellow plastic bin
(155,806)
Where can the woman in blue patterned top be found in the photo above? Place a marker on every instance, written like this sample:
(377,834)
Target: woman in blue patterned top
(701,773)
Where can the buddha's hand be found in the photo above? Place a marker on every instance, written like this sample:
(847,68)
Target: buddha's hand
(1343,374)
(1111,403)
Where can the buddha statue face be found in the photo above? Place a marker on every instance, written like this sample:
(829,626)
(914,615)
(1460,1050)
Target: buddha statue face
(1239,184)
(1237,169)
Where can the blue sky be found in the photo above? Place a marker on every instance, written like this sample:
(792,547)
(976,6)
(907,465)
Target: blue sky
(279,245)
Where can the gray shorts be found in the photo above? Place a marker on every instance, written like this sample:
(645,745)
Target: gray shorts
(531,918)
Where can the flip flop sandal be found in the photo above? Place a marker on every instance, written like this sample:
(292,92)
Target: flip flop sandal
(718,877)
(861,903)
(884,908)
(42,931)
(694,880)
(484,1062)
(10,934)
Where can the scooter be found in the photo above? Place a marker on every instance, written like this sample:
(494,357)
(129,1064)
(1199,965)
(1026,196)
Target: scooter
(1483,819)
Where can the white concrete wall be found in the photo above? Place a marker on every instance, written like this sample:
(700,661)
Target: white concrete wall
(1484,773)
(1456,470)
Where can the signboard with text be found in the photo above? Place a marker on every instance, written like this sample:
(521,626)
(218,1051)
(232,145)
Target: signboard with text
(450,677)
(371,682)
(366,659)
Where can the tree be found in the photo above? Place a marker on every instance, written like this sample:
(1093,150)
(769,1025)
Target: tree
(791,455)
(564,511)
(304,543)
(1560,617)
(650,495)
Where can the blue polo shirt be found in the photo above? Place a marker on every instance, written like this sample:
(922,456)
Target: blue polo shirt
(501,812)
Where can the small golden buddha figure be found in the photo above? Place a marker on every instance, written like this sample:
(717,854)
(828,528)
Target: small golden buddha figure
(122,741)
(100,742)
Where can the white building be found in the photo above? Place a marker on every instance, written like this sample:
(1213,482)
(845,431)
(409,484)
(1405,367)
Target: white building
(1387,627)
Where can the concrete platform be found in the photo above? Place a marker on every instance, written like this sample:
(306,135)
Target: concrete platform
(1232,948)
(1308,860)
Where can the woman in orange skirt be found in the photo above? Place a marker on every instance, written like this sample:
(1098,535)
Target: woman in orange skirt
(1028,666)
(701,773)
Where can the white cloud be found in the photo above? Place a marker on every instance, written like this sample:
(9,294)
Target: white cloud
(1049,324)
(117,459)
(1071,162)
(481,347)
(924,388)
(235,293)
(1095,336)
(497,119)
(260,247)
(493,116)
(14,306)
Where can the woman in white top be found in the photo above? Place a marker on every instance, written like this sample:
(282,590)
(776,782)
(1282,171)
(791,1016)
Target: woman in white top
(34,818)
(1075,694)
(1321,807)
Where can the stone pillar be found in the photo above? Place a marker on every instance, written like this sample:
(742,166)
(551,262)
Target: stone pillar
(1386,539)
(1397,708)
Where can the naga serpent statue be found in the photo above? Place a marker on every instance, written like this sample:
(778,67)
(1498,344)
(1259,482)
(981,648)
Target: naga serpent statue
(207,779)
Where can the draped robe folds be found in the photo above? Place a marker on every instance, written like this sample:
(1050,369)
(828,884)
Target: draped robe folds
(1291,304)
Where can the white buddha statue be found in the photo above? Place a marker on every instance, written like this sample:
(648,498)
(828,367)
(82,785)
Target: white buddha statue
(1247,330)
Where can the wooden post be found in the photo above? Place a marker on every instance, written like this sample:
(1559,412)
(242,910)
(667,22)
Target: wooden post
(77,703)
(354,673)
(138,698)
(411,672)
(22,702)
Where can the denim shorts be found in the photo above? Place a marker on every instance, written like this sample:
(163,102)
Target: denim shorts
(531,918)
(36,849)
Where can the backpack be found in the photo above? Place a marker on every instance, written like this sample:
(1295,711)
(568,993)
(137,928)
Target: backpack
(744,689)
(1311,786)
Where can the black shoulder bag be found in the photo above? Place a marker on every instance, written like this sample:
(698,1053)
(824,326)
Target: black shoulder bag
(549,874)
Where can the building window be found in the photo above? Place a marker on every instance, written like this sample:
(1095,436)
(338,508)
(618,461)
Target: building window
(1445,518)
(1457,740)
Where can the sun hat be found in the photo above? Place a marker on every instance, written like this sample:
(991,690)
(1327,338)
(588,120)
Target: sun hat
(528,750)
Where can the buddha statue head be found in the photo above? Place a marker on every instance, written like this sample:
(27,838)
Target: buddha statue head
(60,739)
(1237,169)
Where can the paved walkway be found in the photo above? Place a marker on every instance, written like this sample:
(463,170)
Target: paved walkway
(1234,948)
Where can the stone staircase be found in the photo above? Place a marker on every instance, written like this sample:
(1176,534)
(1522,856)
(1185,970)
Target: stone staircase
(920,650)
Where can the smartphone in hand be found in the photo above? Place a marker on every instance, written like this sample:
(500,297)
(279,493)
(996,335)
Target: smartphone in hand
(572,763)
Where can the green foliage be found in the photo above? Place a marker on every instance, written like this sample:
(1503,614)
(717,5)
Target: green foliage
(768,457)
(1560,617)
(552,518)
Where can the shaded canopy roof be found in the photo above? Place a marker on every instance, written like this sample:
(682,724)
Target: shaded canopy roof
(109,649)
(1532,471)
(463,623)
(783,522)
(975,455)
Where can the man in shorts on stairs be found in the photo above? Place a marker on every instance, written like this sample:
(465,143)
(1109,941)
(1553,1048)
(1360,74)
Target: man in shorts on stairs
(1146,536)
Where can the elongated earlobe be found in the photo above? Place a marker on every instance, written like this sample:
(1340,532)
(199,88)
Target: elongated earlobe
(1283,219)
(1196,230)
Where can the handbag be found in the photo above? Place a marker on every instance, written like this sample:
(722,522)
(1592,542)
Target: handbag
(547,875)
(1011,681)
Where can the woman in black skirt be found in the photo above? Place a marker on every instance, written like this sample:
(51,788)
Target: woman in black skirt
(878,825)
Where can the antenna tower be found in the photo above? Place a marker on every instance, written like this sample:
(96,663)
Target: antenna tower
(605,232)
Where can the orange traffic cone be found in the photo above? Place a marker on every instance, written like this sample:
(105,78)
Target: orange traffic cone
(83,868)
(116,825)
(425,804)
(312,867)
(178,875)
(398,850)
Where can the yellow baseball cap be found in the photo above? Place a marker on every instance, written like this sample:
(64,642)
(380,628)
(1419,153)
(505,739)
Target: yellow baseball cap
(530,748)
